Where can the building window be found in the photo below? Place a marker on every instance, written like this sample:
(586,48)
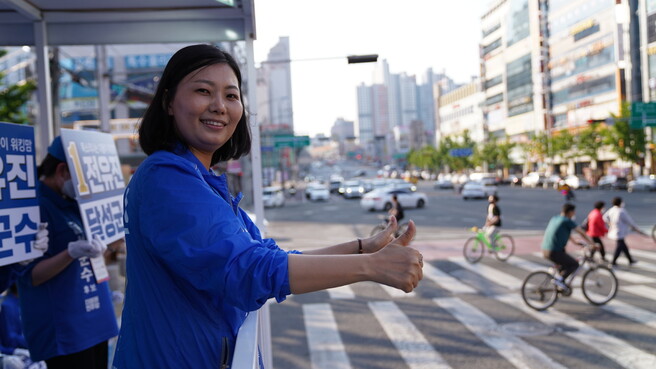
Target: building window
(584,89)
(493,81)
(519,86)
(491,29)
(586,32)
(491,46)
(494,99)
(518,21)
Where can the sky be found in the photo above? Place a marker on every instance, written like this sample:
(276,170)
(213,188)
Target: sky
(412,35)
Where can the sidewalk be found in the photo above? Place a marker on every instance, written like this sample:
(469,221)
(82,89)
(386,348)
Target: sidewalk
(524,244)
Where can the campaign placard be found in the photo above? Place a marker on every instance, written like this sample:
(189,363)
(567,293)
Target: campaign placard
(98,180)
(19,206)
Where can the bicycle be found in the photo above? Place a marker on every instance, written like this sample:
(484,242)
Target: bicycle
(599,283)
(402,227)
(504,246)
(653,233)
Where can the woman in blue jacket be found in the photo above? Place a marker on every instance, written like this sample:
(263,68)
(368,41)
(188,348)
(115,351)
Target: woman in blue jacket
(196,263)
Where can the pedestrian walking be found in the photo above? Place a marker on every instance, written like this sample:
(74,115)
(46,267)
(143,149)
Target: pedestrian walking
(620,224)
(596,227)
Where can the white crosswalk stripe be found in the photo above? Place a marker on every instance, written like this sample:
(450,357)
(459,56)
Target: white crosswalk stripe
(620,308)
(615,349)
(343,292)
(412,345)
(395,292)
(326,347)
(642,291)
(490,273)
(445,281)
(643,254)
(517,351)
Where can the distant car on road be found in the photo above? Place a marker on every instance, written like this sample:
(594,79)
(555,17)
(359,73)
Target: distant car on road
(273,196)
(443,184)
(317,191)
(381,199)
(551,181)
(533,179)
(478,190)
(351,189)
(642,183)
(577,182)
(612,182)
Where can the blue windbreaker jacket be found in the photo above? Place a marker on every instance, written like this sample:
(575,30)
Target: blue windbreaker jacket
(196,265)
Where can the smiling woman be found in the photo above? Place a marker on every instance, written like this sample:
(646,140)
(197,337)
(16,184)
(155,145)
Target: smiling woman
(196,262)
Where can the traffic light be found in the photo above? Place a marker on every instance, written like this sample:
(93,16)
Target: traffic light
(355,59)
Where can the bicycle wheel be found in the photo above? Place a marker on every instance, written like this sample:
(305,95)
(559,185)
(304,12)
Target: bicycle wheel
(504,247)
(377,229)
(599,285)
(473,250)
(539,291)
(653,233)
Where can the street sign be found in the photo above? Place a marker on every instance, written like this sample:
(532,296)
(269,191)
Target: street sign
(461,153)
(643,114)
(291,141)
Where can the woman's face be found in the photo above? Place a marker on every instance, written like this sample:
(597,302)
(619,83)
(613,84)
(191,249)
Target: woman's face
(206,109)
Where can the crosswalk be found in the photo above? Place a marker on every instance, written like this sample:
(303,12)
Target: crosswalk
(468,316)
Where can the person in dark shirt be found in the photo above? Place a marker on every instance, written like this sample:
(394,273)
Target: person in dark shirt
(493,219)
(397,209)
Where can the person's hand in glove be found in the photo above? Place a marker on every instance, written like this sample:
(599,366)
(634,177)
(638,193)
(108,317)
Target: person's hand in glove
(82,248)
(41,242)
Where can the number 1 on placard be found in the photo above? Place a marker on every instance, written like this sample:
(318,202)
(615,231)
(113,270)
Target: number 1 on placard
(82,187)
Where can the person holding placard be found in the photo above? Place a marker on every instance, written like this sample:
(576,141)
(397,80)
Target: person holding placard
(67,316)
(196,263)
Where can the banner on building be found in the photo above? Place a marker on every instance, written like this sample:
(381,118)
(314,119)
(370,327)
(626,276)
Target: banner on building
(19,206)
(96,174)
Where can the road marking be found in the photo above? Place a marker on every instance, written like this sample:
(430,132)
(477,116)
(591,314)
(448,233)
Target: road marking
(644,254)
(623,309)
(615,349)
(412,345)
(492,274)
(395,292)
(642,291)
(341,293)
(326,347)
(445,281)
(513,348)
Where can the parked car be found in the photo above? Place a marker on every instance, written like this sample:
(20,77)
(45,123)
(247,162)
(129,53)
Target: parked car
(642,183)
(477,190)
(533,179)
(381,199)
(612,182)
(317,191)
(551,181)
(443,184)
(577,182)
(515,179)
(273,196)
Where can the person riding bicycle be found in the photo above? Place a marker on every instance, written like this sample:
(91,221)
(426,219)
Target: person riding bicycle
(566,190)
(555,239)
(397,209)
(493,219)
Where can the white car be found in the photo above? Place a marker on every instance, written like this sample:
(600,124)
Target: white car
(533,179)
(477,190)
(576,182)
(381,199)
(643,183)
(351,189)
(317,192)
(273,197)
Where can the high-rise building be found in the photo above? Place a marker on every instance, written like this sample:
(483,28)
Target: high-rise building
(275,109)
(459,111)
(341,131)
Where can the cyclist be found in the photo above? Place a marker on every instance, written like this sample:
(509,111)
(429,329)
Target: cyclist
(397,209)
(555,239)
(493,219)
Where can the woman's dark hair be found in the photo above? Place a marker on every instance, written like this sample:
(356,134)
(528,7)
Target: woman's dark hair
(567,207)
(617,201)
(599,204)
(157,130)
(48,166)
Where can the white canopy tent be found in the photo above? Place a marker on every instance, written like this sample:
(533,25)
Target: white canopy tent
(43,23)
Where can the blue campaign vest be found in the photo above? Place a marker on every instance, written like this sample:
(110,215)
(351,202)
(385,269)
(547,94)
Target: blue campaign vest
(196,264)
(70,312)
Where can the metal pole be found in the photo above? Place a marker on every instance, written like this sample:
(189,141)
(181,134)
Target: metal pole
(103,88)
(44,131)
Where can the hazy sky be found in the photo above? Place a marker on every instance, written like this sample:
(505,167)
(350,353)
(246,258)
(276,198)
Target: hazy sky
(412,35)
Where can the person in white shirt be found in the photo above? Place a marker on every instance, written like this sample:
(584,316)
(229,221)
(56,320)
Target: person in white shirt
(620,224)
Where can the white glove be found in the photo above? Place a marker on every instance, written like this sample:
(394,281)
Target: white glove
(41,242)
(93,248)
(21,352)
(12,362)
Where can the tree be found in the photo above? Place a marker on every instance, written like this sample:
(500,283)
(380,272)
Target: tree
(626,142)
(13,98)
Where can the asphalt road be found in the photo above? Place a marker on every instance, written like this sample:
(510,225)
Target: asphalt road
(461,316)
